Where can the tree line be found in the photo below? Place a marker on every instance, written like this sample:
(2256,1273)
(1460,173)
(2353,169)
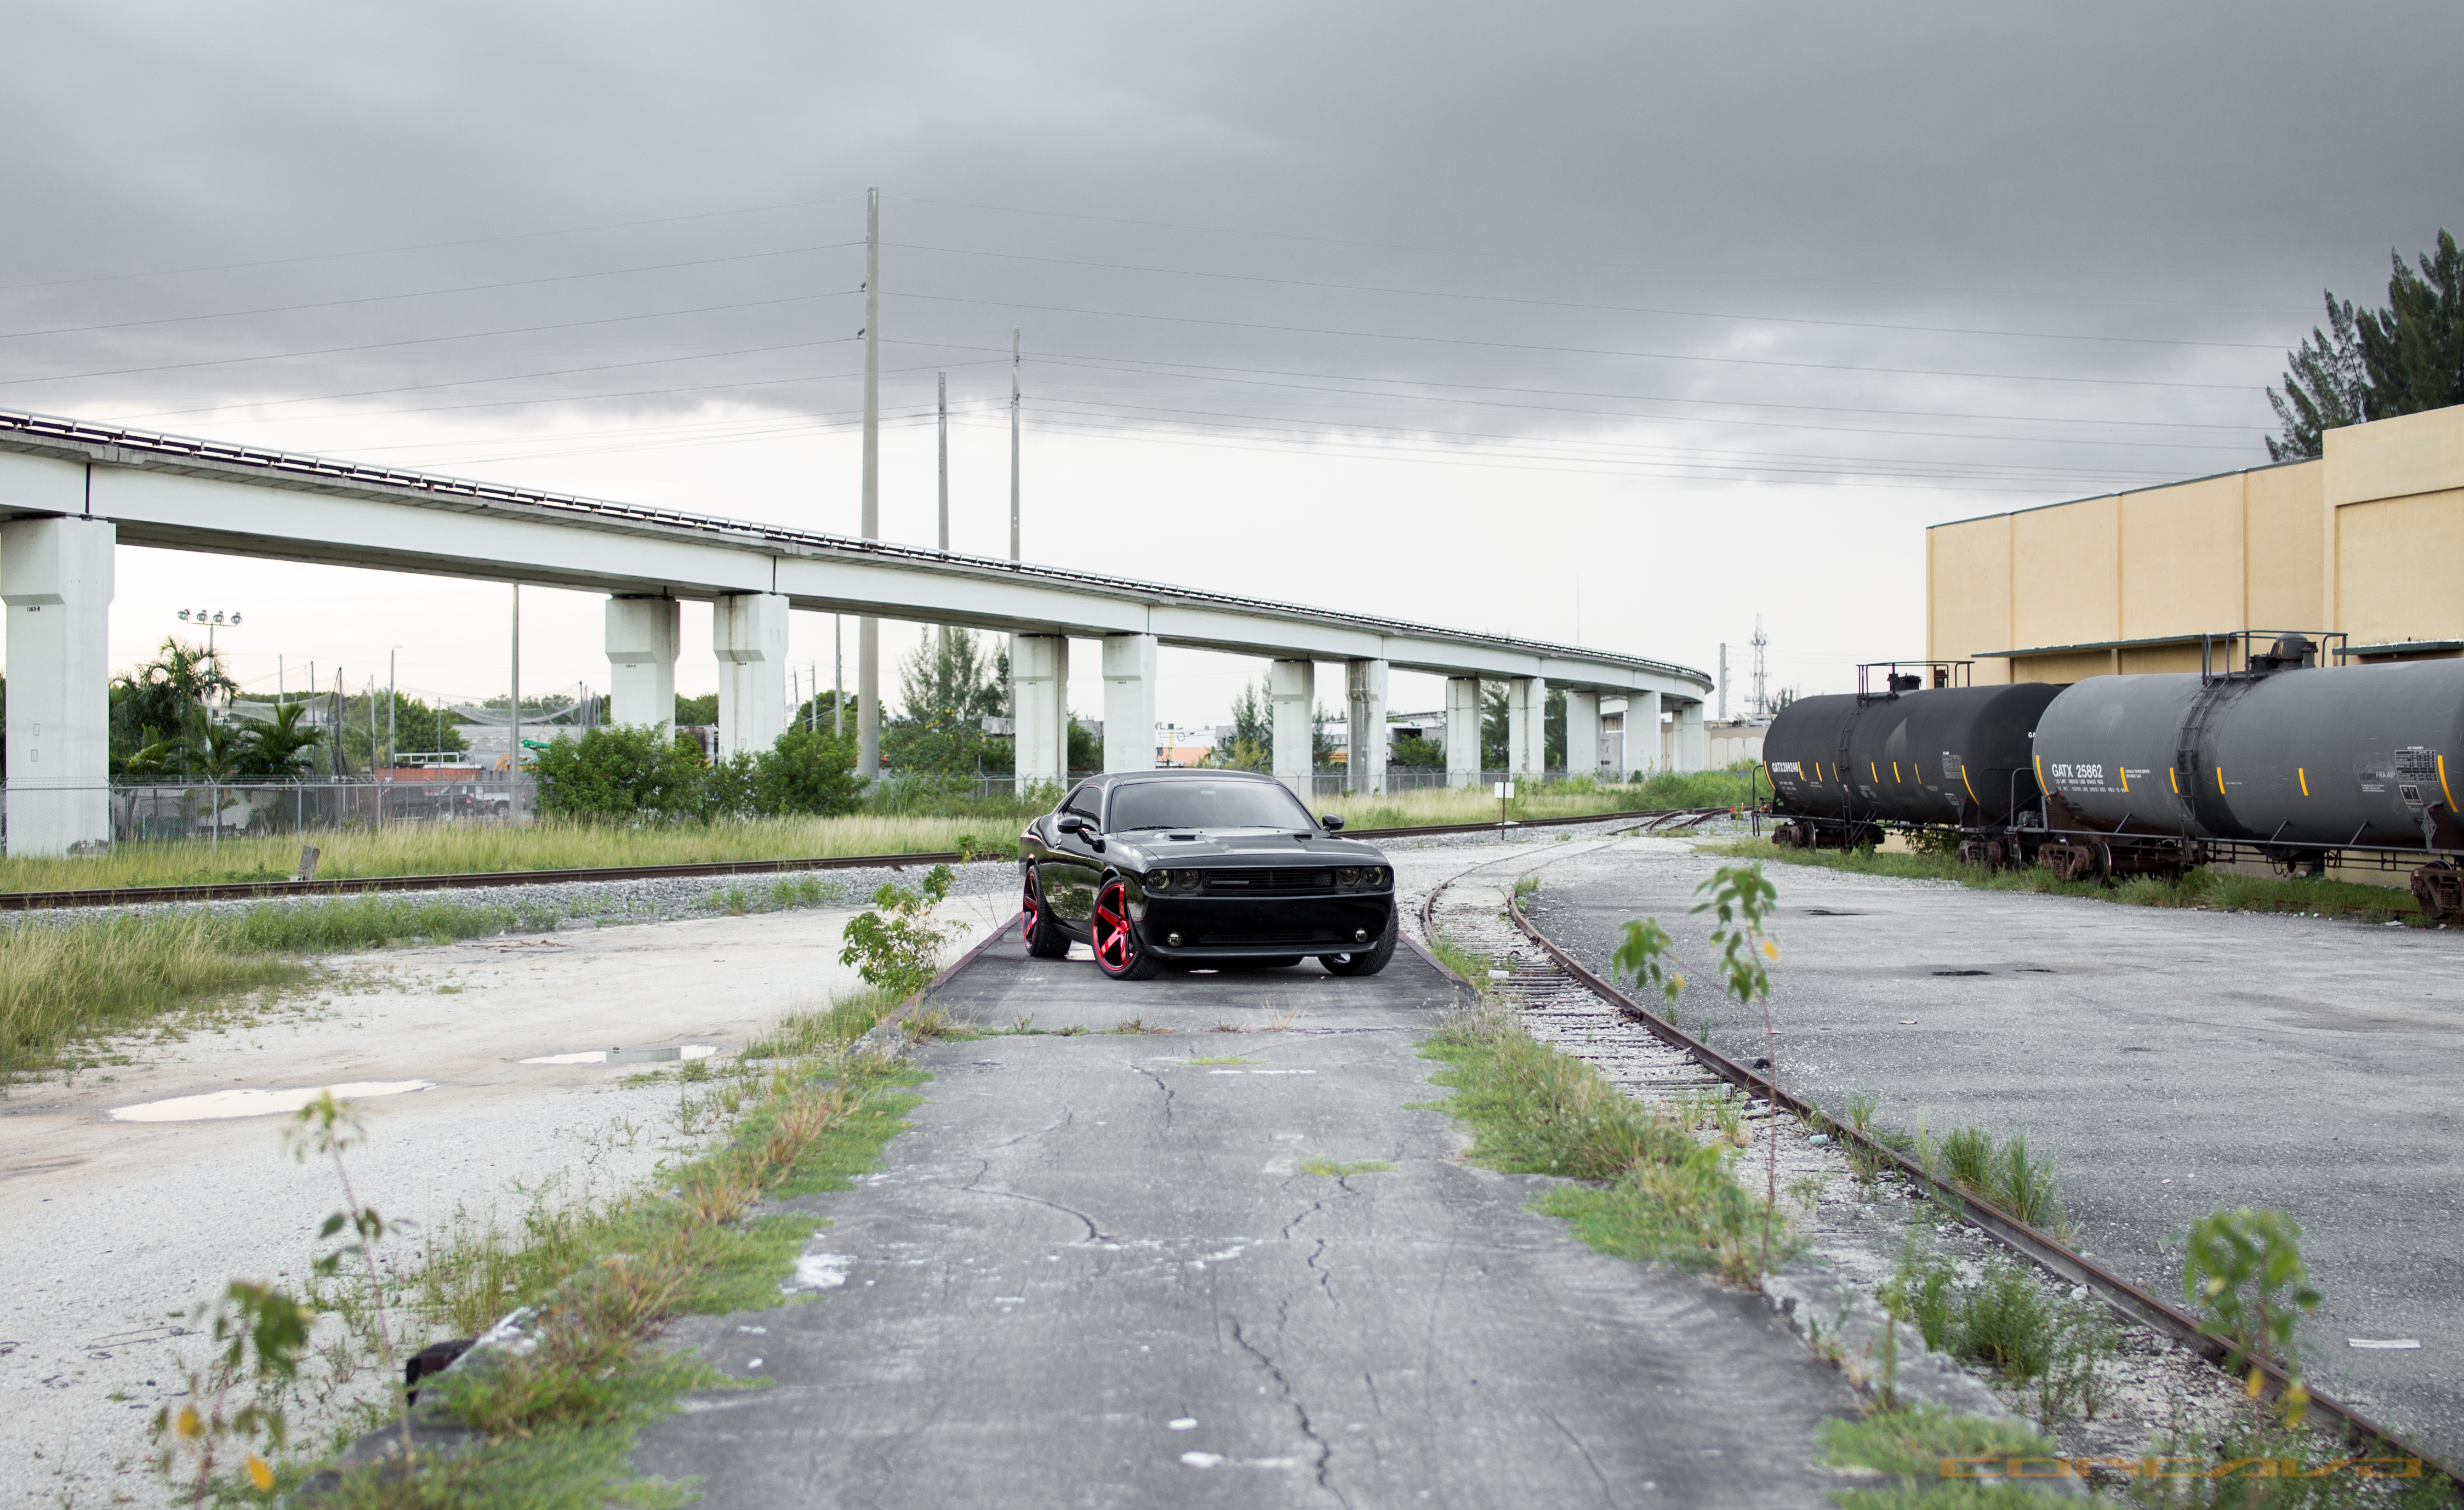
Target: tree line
(2402,358)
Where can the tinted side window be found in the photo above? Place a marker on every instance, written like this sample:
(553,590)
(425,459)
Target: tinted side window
(1081,801)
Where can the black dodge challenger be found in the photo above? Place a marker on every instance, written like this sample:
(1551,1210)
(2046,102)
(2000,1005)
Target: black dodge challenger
(1203,868)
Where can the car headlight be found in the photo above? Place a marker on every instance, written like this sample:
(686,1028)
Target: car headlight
(1348,878)
(1160,880)
(1188,881)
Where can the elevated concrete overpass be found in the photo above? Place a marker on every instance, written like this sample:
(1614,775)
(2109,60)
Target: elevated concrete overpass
(70,491)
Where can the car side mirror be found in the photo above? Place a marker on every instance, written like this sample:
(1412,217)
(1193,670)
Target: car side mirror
(1071,823)
(1333,821)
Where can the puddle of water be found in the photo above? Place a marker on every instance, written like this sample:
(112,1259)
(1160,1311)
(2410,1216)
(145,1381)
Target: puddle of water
(217,1106)
(689,1051)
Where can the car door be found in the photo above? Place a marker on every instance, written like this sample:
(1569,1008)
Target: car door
(1071,870)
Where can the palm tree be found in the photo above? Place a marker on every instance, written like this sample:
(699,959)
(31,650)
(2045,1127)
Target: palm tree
(281,747)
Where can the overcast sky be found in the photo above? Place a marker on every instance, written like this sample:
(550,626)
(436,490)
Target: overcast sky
(1604,323)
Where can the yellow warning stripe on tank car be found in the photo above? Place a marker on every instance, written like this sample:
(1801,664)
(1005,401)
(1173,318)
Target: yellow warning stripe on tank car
(1895,773)
(1972,789)
(2442,784)
(2125,774)
(2174,777)
(2303,776)
(2038,761)
(2220,781)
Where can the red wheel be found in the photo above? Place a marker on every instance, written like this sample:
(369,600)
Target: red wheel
(1043,932)
(1116,937)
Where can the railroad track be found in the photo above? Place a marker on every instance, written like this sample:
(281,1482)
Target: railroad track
(1560,1002)
(1656,821)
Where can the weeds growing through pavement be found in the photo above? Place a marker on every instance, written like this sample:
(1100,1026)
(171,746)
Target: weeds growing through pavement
(2243,1270)
(1328,1168)
(893,946)
(261,1337)
(1653,1192)
(590,1280)
(1740,900)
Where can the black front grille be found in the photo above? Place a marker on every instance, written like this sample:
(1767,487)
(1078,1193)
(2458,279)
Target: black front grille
(1242,936)
(1267,881)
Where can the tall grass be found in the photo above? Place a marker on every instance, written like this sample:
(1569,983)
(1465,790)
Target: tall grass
(65,983)
(911,818)
(2206,888)
(1565,799)
(549,844)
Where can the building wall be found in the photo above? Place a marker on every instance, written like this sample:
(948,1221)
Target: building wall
(2357,541)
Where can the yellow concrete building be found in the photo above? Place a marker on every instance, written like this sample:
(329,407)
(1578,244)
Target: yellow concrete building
(2366,540)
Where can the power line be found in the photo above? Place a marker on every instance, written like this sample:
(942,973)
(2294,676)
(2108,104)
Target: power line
(1585,351)
(428,246)
(421,293)
(420,341)
(1638,267)
(1704,419)
(1559,303)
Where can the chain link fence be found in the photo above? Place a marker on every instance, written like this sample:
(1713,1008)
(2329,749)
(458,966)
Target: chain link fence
(184,810)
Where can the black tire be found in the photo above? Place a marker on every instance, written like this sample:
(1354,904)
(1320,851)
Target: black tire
(1043,934)
(1118,953)
(1368,961)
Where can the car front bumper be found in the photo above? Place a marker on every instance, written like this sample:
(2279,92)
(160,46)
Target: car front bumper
(1247,927)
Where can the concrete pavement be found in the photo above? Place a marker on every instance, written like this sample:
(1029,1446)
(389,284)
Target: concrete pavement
(1098,1271)
(2173,1062)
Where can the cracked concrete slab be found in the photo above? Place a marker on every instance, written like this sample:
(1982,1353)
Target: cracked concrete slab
(1098,1272)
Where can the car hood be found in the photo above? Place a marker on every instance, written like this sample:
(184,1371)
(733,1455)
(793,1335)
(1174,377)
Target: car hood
(1220,846)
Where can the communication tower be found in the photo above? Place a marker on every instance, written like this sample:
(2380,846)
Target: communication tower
(1761,702)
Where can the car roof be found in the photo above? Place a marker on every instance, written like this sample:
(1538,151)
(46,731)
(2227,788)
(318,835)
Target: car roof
(1172,773)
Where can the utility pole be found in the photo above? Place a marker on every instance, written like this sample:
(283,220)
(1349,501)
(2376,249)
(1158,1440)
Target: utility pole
(838,677)
(1013,443)
(514,772)
(393,700)
(867,628)
(1724,682)
(1762,702)
(943,383)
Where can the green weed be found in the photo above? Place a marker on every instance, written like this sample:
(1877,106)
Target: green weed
(1328,1168)
(1657,1194)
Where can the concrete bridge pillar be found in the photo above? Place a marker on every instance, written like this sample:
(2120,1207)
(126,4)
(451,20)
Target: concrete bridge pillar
(1463,731)
(1582,733)
(1364,697)
(642,634)
(748,634)
(1527,728)
(1641,756)
(56,576)
(1291,690)
(1691,752)
(1040,708)
(1129,702)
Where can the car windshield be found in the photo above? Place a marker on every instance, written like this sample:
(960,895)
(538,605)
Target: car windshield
(1206,805)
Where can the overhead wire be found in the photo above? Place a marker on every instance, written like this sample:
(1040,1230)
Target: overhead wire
(1561,303)
(1577,261)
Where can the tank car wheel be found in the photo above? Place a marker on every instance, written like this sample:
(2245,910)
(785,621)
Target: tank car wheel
(1043,934)
(1117,952)
(2440,891)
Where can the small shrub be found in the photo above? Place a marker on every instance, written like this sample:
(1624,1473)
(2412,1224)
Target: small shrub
(2243,1269)
(892,947)
(2005,1321)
